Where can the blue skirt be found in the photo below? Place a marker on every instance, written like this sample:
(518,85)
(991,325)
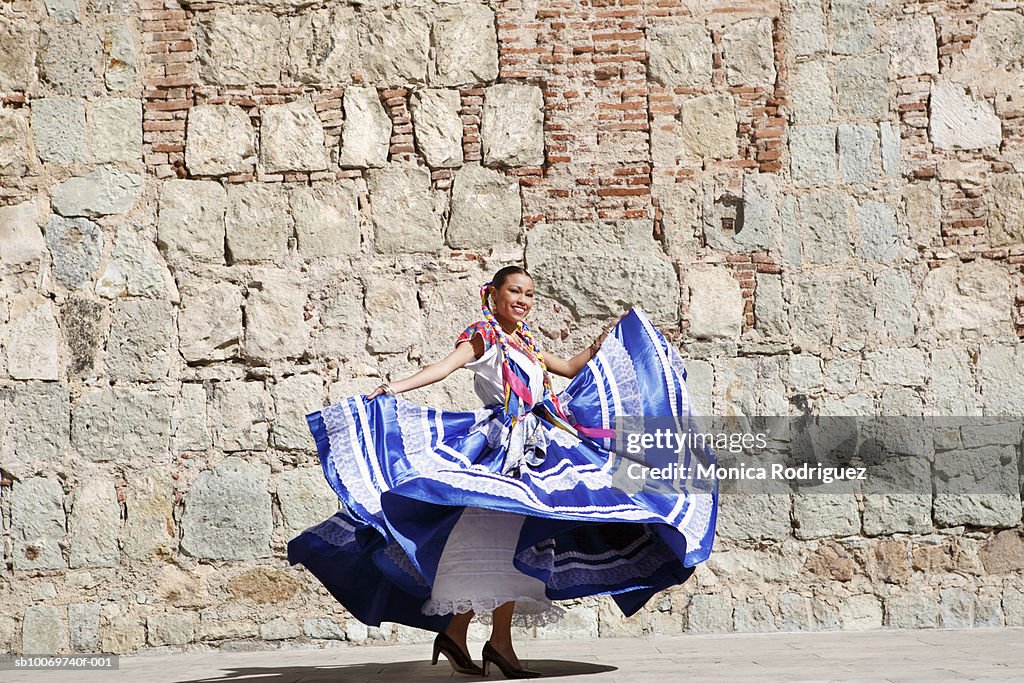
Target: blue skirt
(405,472)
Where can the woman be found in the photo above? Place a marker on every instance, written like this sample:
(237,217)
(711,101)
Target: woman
(510,506)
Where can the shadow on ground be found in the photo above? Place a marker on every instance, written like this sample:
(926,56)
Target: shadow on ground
(366,672)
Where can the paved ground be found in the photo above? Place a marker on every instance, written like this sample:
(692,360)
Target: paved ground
(923,656)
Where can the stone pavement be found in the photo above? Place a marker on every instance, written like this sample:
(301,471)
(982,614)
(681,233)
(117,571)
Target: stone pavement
(904,655)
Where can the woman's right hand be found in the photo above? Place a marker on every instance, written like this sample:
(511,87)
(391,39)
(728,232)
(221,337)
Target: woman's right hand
(384,388)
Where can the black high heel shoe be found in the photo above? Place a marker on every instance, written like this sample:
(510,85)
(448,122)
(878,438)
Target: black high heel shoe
(459,660)
(507,670)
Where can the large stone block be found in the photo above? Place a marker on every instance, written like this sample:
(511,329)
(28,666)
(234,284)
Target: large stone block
(958,121)
(327,219)
(912,47)
(812,92)
(76,245)
(256,222)
(275,324)
(813,158)
(227,512)
(862,87)
(93,525)
(438,127)
(965,301)
(708,126)
(465,44)
(239,49)
(680,53)
(171,629)
(337,318)
(37,421)
(141,340)
(121,63)
(21,240)
(512,125)
(879,234)
(104,191)
(395,47)
(923,211)
(1006,209)
(135,268)
(220,140)
(861,613)
(393,315)
(58,129)
(294,398)
(37,524)
(486,209)
(305,497)
(115,128)
(292,138)
(619,269)
(68,59)
(42,630)
(749,53)
(33,328)
(189,422)
(710,614)
(149,529)
(1001,370)
(366,134)
(240,413)
(853,30)
(191,220)
(680,221)
(979,486)
(84,626)
(911,611)
(825,226)
(858,150)
(14,154)
(402,206)
(323,46)
(894,300)
(818,515)
(755,516)
(1002,34)
(117,423)
(808,27)
(716,304)
(18,58)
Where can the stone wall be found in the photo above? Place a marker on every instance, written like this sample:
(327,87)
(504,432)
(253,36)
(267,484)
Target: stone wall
(217,215)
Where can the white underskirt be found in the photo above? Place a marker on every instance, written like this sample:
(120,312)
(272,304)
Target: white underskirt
(476,573)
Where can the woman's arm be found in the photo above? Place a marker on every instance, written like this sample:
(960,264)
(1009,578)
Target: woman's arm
(569,368)
(435,372)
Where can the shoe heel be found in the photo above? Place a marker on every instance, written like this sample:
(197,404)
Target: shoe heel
(487,667)
(436,652)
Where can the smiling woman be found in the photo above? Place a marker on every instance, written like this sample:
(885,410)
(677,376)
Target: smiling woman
(504,509)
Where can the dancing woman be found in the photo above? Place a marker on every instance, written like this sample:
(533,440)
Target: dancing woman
(503,509)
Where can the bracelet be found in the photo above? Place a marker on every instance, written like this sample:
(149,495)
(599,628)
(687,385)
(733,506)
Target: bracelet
(385,388)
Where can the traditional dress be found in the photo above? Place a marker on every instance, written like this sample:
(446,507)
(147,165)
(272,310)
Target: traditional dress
(522,499)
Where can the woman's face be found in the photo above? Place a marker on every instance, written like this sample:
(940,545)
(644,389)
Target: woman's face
(514,299)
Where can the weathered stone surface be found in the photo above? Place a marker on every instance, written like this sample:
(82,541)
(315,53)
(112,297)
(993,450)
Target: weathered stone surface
(748,52)
(1002,33)
(953,385)
(366,135)
(861,613)
(38,421)
(404,220)
(279,629)
(115,127)
(911,611)
(227,512)
(753,617)
(327,219)
(1001,370)
(14,159)
(710,614)
(337,318)
(965,301)
(898,497)
(189,422)
(680,53)
(818,515)
(135,268)
(879,238)
(486,208)
(812,92)
(37,523)
(191,220)
(275,326)
(80,322)
(1006,209)
(42,631)
(756,227)
(305,499)
(824,226)
(68,59)
(894,298)
(619,270)
(84,626)
(708,126)
(978,486)
(438,127)
(58,129)
(393,315)
(18,59)
(853,30)
(512,125)
(240,412)
(324,629)
(1003,553)
(769,305)
(75,246)
(323,46)
(889,133)
(813,159)
(958,121)
(130,425)
(34,327)
(93,524)
(681,216)
(141,340)
(171,629)
(239,49)
(257,223)
(120,69)
(292,138)
(808,26)
(755,516)
(394,48)
(264,586)
(923,210)
(294,398)
(149,527)
(858,149)
(102,192)
(465,44)
(220,140)
(912,48)
(716,305)
(862,86)
(21,240)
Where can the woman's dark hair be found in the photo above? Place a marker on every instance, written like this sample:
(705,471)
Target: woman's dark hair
(499,278)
